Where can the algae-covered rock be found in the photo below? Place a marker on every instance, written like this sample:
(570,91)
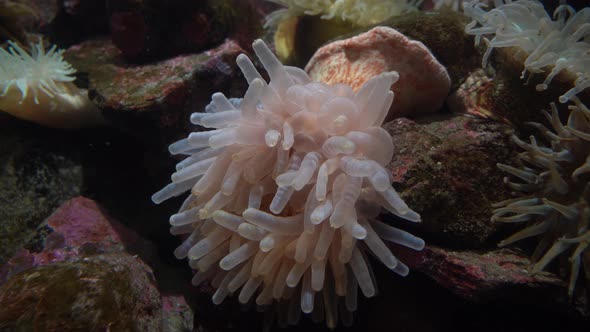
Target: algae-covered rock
(80,230)
(496,275)
(101,293)
(354,61)
(37,173)
(176,314)
(482,276)
(77,229)
(445,169)
(157,96)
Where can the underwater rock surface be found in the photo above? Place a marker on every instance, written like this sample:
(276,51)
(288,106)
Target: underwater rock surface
(77,229)
(112,292)
(484,276)
(156,96)
(36,175)
(82,247)
(445,167)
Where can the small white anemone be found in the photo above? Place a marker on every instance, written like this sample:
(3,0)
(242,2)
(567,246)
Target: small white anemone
(38,87)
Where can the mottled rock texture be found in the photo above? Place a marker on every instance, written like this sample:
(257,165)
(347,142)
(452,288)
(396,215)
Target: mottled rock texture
(80,260)
(113,292)
(37,173)
(482,276)
(445,169)
(77,229)
(157,96)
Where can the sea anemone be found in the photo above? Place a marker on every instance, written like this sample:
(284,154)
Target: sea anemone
(554,190)
(559,45)
(286,189)
(357,12)
(38,87)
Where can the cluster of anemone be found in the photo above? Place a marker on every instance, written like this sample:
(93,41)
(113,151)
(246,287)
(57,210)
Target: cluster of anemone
(39,87)
(551,45)
(286,189)
(357,12)
(553,189)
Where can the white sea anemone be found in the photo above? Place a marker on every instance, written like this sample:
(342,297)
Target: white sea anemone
(357,12)
(550,45)
(38,87)
(286,189)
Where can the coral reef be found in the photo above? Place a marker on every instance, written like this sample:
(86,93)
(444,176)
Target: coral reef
(38,87)
(554,190)
(286,187)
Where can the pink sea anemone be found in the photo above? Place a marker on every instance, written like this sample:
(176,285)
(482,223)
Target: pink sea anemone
(286,191)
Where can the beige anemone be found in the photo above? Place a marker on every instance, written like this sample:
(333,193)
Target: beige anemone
(553,190)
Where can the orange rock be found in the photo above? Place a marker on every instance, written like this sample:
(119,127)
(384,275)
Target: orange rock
(423,84)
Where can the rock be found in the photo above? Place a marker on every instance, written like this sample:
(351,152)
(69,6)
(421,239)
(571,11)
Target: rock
(149,30)
(113,292)
(37,173)
(22,16)
(498,92)
(79,240)
(176,314)
(443,32)
(78,229)
(484,276)
(355,60)
(449,290)
(155,97)
(445,169)
(152,29)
